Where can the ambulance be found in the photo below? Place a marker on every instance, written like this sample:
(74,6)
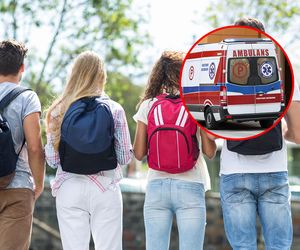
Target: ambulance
(236,79)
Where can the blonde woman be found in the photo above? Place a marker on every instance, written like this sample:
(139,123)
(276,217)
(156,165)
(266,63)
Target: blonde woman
(87,203)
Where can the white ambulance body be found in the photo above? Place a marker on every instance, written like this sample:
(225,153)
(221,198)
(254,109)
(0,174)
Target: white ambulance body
(236,79)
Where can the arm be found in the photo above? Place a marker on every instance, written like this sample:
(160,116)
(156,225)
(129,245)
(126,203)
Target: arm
(140,141)
(52,156)
(293,123)
(122,144)
(32,131)
(209,147)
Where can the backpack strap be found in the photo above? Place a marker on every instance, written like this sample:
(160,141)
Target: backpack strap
(173,97)
(22,146)
(11,96)
(162,97)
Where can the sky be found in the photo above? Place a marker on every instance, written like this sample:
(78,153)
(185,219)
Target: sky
(173,25)
(175,28)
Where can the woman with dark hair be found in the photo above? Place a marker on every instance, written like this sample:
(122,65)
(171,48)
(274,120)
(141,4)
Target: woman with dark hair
(169,193)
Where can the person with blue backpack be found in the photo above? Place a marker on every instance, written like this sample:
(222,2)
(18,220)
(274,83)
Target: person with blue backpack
(87,141)
(178,175)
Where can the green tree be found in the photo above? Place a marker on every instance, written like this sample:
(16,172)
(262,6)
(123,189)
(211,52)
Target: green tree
(279,17)
(121,89)
(56,31)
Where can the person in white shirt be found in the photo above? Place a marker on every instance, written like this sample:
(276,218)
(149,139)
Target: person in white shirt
(168,194)
(252,185)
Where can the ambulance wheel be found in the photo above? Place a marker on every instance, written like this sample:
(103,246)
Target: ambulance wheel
(266,123)
(210,119)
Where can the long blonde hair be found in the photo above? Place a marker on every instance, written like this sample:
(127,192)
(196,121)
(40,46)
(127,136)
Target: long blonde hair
(87,78)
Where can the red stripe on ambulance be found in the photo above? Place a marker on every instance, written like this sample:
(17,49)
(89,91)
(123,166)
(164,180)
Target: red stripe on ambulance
(220,77)
(249,99)
(268,98)
(211,53)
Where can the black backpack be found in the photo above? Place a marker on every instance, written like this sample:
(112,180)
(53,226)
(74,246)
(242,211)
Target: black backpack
(8,156)
(264,144)
(87,138)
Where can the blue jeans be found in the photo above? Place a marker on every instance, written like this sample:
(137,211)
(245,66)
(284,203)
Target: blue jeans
(243,196)
(168,197)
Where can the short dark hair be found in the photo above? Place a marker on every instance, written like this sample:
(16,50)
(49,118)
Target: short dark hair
(12,54)
(250,21)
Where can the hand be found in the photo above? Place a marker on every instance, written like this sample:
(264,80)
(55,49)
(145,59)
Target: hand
(209,146)
(284,126)
(292,132)
(210,136)
(38,190)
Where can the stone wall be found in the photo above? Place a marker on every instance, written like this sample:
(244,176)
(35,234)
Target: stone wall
(46,236)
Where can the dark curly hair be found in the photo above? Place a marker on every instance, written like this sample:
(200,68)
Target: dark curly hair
(251,22)
(165,75)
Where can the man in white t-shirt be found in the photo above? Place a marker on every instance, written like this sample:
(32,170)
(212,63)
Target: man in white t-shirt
(252,185)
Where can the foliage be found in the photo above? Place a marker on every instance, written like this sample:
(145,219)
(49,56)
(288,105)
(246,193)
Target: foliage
(278,16)
(56,31)
(121,90)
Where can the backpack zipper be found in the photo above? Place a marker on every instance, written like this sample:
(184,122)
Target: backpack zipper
(178,155)
(158,129)
(157,149)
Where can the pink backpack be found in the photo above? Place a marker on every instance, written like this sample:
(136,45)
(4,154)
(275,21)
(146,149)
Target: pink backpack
(172,142)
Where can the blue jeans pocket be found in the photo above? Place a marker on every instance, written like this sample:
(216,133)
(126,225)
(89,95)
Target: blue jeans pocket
(191,193)
(232,188)
(278,191)
(153,192)
(279,177)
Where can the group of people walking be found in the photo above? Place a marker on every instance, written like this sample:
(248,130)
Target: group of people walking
(88,141)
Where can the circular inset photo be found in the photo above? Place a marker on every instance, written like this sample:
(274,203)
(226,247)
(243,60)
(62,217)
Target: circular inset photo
(236,82)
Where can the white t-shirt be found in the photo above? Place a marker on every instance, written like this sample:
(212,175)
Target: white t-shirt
(25,104)
(199,173)
(232,163)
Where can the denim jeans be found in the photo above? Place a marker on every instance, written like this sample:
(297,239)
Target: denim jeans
(244,196)
(168,197)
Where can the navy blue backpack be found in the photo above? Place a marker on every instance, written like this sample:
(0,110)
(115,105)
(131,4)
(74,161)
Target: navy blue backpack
(87,138)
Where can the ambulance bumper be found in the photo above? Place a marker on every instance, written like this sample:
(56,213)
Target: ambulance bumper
(249,117)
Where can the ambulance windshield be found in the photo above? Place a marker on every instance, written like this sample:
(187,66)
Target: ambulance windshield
(252,70)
